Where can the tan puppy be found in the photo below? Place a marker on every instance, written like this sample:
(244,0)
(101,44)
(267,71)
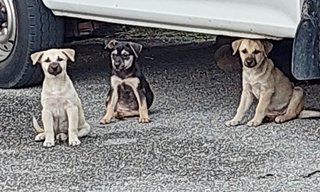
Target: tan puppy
(62,113)
(279,99)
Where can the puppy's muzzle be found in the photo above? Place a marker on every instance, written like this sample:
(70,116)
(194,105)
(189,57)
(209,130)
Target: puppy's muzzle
(118,65)
(54,69)
(250,62)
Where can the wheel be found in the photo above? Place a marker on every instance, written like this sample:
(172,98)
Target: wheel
(26,26)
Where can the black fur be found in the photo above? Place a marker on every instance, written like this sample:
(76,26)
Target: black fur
(126,96)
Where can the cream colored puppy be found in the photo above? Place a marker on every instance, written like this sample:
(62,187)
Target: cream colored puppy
(62,113)
(279,99)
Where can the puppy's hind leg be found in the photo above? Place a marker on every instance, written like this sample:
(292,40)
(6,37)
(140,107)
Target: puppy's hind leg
(148,92)
(84,127)
(84,130)
(295,106)
(40,137)
(123,114)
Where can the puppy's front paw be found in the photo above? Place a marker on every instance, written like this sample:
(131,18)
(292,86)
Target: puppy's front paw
(232,123)
(40,137)
(105,120)
(144,119)
(253,123)
(48,143)
(74,142)
(280,119)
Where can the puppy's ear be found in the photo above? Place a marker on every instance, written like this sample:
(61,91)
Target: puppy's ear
(267,47)
(70,53)
(235,46)
(36,57)
(136,48)
(110,44)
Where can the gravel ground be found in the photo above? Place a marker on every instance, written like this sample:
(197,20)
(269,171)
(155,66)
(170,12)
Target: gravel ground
(186,147)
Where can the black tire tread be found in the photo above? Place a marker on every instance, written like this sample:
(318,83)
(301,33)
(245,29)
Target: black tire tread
(47,32)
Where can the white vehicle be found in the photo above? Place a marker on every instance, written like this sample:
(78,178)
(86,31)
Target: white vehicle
(32,25)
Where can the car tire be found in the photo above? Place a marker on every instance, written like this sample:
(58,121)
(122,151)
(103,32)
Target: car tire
(34,28)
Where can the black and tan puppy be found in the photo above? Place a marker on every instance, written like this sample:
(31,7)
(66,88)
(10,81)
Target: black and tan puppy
(130,93)
(278,98)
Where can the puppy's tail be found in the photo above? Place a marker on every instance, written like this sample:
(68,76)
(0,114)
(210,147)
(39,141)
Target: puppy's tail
(37,126)
(305,114)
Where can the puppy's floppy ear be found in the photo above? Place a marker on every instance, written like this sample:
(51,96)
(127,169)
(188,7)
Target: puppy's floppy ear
(36,57)
(235,45)
(136,48)
(267,47)
(70,53)
(110,44)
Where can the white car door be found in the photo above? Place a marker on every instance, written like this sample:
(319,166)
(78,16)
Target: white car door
(243,18)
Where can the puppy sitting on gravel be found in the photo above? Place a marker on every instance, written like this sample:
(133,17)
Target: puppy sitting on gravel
(62,113)
(279,99)
(130,93)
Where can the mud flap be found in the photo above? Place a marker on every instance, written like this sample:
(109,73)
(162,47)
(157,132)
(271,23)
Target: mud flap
(305,59)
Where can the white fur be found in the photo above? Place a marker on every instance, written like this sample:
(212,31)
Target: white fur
(61,107)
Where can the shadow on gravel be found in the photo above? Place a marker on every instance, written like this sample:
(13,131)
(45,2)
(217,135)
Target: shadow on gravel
(92,61)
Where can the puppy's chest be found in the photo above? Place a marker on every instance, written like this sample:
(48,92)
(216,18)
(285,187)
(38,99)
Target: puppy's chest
(58,106)
(255,89)
(254,85)
(132,82)
(126,90)
(127,98)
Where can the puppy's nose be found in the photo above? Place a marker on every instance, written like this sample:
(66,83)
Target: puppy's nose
(54,66)
(249,61)
(117,61)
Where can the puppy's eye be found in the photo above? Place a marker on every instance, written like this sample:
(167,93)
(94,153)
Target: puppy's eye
(256,52)
(47,60)
(126,56)
(244,51)
(59,59)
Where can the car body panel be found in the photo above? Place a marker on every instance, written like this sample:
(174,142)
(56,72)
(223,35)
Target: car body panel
(242,18)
